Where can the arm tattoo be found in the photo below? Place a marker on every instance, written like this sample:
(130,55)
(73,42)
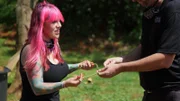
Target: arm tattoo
(40,87)
(73,67)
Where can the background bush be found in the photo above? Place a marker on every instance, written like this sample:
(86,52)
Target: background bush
(110,19)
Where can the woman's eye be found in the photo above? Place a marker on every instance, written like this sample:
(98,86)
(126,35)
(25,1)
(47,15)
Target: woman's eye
(54,22)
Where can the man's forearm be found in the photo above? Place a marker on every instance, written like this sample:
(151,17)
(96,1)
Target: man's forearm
(153,62)
(134,55)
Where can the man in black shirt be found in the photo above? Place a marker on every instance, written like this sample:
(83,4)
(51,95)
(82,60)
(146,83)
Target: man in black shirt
(157,58)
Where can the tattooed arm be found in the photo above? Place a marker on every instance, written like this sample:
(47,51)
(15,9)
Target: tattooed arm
(40,87)
(86,65)
(35,77)
(73,67)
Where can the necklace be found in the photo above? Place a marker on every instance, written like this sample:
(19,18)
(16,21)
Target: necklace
(50,44)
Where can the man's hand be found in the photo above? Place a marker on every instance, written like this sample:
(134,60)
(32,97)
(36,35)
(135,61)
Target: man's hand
(113,60)
(109,71)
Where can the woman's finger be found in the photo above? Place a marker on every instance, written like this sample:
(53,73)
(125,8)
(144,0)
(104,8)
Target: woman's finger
(81,77)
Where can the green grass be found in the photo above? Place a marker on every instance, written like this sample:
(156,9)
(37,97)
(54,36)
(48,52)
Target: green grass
(6,51)
(123,87)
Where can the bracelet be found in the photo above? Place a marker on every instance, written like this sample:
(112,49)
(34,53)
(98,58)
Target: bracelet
(79,66)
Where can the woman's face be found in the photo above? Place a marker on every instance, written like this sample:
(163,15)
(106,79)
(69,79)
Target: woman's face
(145,3)
(51,30)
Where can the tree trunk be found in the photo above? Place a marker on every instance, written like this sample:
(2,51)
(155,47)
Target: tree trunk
(23,17)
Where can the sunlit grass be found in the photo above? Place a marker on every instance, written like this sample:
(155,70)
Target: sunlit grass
(6,51)
(123,87)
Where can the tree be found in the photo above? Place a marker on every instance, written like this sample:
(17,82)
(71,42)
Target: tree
(23,16)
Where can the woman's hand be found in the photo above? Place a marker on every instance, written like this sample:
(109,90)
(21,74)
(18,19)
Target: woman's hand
(86,65)
(74,81)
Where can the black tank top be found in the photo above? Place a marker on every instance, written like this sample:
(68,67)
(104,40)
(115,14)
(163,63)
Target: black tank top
(55,74)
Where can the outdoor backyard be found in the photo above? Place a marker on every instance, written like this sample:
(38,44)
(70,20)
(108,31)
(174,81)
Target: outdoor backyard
(106,34)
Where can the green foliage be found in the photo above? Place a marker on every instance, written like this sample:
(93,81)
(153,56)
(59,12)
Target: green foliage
(108,19)
(7,11)
(74,57)
(112,18)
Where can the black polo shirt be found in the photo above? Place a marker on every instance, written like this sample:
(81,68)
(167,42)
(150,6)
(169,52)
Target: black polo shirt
(161,34)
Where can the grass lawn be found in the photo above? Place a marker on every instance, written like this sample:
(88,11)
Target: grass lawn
(123,87)
(6,51)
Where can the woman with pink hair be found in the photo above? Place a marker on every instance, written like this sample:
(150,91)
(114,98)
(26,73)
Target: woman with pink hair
(41,66)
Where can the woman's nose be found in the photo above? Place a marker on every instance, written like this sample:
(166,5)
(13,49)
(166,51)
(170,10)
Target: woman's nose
(59,24)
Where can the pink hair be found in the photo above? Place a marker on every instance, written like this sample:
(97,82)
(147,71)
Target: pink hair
(43,12)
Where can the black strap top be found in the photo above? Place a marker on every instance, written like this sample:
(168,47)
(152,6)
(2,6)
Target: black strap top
(55,74)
